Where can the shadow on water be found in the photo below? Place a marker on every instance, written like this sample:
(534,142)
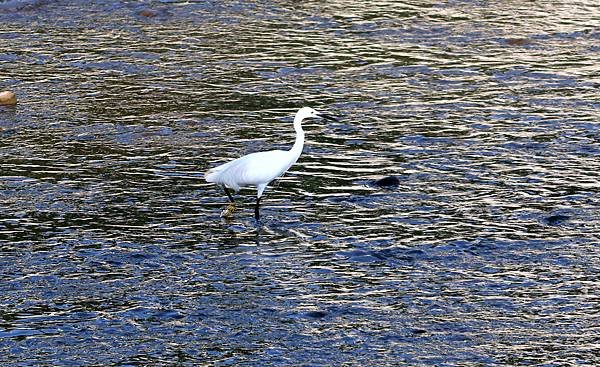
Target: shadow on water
(449,218)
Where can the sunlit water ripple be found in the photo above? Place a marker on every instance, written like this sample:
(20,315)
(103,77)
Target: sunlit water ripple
(485,253)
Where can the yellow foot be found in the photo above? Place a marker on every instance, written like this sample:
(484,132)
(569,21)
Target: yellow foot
(228,212)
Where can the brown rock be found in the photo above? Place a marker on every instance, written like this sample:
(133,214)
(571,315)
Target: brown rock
(518,41)
(8,98)
(148,13)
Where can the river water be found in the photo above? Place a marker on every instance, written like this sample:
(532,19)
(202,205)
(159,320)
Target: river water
(486,252)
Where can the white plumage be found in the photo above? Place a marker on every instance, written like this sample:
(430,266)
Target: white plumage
(259,169)
(254,169)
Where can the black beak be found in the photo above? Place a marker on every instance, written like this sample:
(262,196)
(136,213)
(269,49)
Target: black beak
(328,117)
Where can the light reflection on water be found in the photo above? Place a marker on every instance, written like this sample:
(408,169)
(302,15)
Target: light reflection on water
(112,250)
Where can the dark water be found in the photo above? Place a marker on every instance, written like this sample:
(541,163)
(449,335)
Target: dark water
(112,252)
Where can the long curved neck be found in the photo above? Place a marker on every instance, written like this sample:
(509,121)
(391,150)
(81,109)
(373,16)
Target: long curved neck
(299,143)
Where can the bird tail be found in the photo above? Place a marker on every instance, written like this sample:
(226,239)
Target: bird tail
(215,174)
(212,175)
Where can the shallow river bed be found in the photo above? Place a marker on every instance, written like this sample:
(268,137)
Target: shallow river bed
(486,252)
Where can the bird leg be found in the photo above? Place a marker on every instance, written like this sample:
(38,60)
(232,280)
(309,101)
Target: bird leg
(256,212)
(228,212)
(228,194)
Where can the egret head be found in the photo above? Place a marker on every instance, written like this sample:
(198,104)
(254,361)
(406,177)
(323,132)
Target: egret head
(306,112)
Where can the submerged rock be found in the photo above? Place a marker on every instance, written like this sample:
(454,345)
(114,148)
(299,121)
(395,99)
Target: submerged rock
(518,41)
(8,98)
(316,314)
(15,5)
(390,181)
(153,12)
(148,13)
(557,219)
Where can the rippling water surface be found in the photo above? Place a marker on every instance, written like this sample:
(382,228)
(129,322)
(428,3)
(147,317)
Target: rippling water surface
(112,251)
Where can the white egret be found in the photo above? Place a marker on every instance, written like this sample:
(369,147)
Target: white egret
(259,169)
